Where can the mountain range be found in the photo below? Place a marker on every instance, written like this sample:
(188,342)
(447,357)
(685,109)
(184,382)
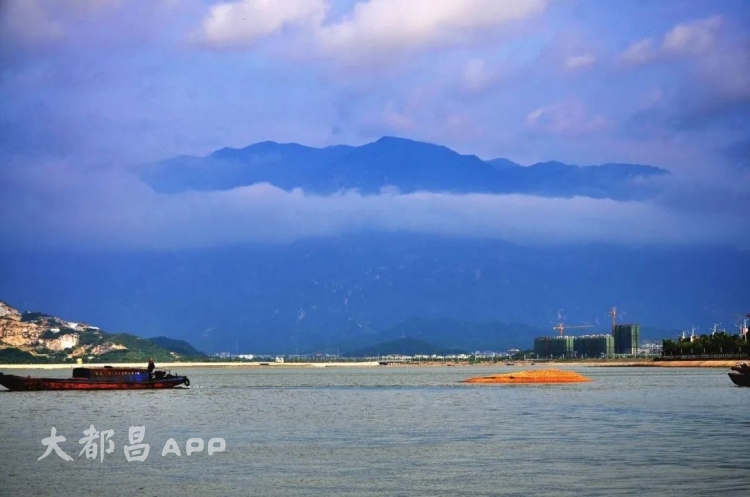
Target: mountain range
(394,162)
(345,292)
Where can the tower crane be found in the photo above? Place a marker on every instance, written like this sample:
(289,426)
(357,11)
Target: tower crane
(561,327)
(613,313)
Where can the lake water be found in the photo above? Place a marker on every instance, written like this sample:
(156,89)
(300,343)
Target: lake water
(392,431)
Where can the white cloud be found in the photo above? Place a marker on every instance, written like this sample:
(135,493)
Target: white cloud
(477,76)
(66,207)
(639,52)
(689,38)
(566,119)
(243,22)
(580,62)
(393,118)
(692,37)
(387,26)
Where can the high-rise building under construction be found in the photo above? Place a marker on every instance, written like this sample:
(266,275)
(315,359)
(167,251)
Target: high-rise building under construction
(555,347)
(594,346)
(627,338)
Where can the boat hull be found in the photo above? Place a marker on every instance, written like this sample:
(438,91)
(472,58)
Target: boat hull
(26,383)
(741,380)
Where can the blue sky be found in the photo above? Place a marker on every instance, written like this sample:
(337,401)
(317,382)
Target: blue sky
(91,87)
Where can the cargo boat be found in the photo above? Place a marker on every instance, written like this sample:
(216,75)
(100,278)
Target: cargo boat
(104,378)
(740,374)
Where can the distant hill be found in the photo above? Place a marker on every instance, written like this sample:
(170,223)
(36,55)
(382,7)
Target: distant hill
(339,294)
(180,347)
(406,164)
(451,334)
(402,346)
(35,337)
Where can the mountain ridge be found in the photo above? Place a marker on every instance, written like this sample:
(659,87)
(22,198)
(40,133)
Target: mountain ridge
(406,164)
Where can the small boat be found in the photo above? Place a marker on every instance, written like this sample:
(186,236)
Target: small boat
(740,374)
(739,379)
(104,378)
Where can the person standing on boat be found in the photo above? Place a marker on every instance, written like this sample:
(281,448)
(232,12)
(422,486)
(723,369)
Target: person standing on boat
(151,367)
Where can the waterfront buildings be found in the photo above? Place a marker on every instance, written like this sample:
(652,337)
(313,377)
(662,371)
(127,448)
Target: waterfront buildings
(559,346)
(627,338)
(592,346)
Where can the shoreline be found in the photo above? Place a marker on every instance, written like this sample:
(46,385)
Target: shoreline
(712,363)
(174,365)
(519,364)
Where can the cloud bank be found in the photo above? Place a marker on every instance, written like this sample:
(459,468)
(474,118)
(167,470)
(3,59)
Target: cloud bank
(63,206)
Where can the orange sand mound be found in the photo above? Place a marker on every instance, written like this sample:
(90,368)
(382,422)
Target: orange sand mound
(537,376)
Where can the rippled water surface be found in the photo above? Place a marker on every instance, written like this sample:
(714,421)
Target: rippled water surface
(392,431)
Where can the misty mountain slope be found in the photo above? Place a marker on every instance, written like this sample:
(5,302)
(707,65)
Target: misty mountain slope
(617,181)
(319,293)
(451,334)
(397,162)
(402,346)
(286,165)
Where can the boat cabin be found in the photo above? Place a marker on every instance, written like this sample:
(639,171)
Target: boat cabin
(108,373)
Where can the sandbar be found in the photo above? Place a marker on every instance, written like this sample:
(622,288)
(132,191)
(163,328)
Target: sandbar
(532,376)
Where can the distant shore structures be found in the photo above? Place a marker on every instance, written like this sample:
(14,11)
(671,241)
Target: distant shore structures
(624,340)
